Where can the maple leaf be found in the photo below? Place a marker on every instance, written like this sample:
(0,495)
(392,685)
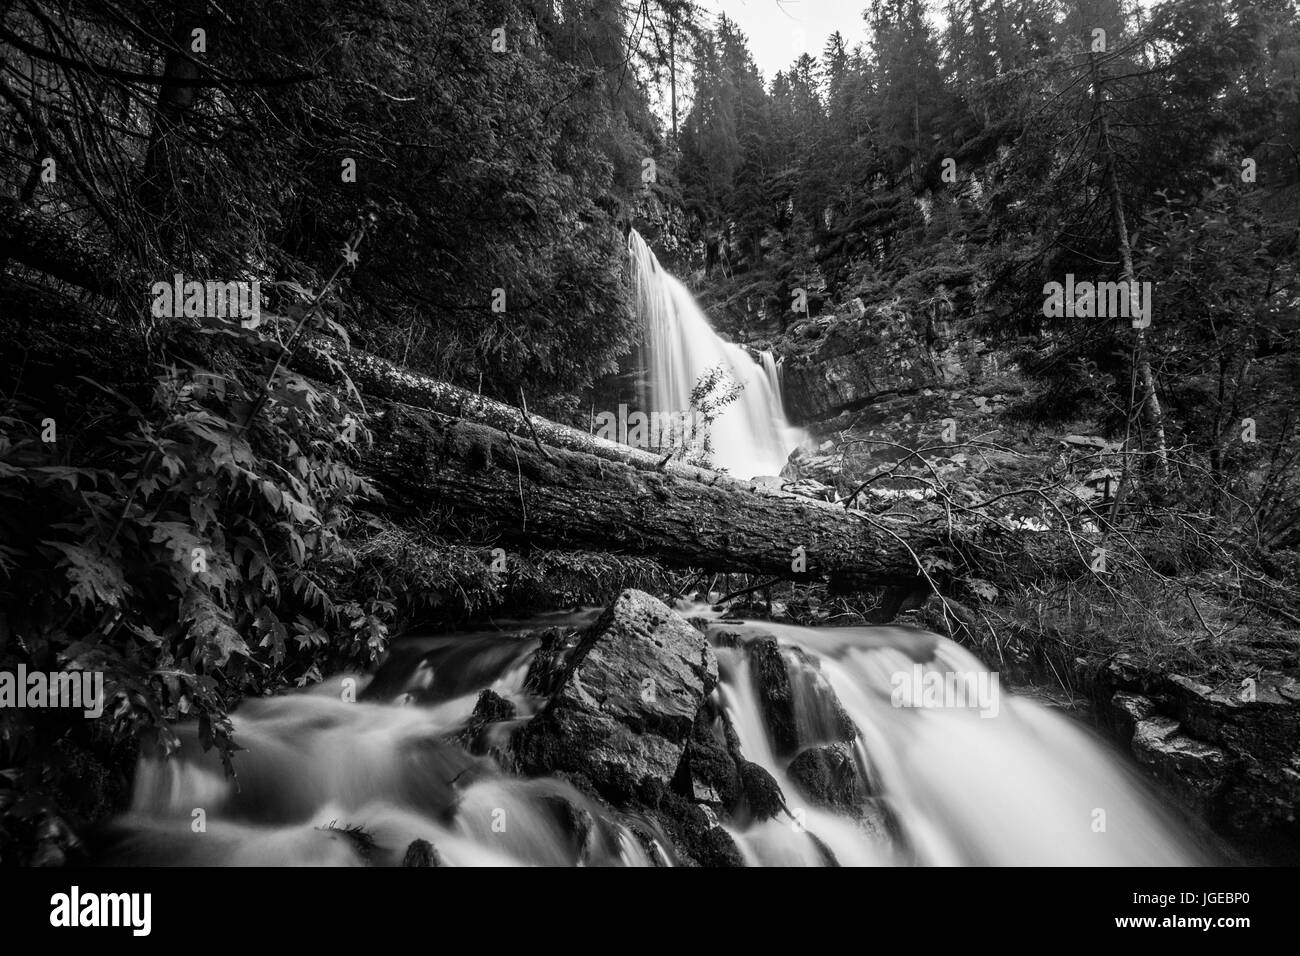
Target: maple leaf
(215,640)
(93,576)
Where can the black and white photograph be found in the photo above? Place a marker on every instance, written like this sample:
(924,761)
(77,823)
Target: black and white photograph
(686,434)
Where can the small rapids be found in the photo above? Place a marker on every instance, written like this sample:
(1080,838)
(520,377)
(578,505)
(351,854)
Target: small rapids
(354,770)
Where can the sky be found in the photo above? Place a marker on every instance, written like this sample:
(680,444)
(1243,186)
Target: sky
(780,30)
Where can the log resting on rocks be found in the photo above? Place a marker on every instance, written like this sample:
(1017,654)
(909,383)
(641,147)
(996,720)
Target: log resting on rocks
(536,482)
(531,494)
(328,360)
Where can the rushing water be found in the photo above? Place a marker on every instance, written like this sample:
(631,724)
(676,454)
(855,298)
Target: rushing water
(947,785)
(751,436)
(355,769)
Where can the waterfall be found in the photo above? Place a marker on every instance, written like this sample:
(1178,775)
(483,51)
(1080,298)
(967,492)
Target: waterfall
(1026,787)
(751,436)
(946,786)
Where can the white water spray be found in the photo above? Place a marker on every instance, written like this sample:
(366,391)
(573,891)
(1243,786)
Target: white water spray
(751,436)
(947,787)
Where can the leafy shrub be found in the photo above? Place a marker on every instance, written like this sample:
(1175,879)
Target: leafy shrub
(189,543)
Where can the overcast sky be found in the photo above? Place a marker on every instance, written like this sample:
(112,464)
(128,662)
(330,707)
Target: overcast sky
(779,30)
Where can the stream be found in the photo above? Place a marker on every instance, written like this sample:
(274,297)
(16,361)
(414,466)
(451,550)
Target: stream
(1024,785)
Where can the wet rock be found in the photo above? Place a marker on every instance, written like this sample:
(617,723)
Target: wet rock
(546,671)
(819,713)
(491,708)
(1227,751)
(422,853)
(762,793)
(717,848)
(694,836)
(578,822)
(656,845)
(775,694)
(625,702)
(1128,710)
(827,776)
(1194,768)
(707,773)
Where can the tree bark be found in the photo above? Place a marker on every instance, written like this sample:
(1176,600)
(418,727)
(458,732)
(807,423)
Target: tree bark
(1151,410)
(525,496)
(175,98)
(328,361)
(477,463)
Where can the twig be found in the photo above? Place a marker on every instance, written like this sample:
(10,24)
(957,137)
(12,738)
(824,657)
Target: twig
(523,407)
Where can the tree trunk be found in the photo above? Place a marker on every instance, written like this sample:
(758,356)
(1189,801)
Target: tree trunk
(1152,413)
(478,464)
(175,98)
(328,361)
(523,496)
(672,74)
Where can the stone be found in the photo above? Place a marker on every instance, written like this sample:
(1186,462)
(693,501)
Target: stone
(478,734)
(422,853)
(625,702)
(827,776)
(762,793)
(1195,769)
(775,694)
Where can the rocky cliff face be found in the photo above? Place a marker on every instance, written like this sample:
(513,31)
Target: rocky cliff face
(839,363)
(873,385)
(1230,753)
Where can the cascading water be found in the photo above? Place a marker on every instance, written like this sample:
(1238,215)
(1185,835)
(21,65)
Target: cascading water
(356,769)
(751,436)
(943,785)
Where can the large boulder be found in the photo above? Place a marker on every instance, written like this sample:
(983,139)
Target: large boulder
(828,776)
(763,796)
(1227,751)
(624,701)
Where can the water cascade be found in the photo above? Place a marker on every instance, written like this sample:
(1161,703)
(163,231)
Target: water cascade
(356,769)
(751,436)
(943,786)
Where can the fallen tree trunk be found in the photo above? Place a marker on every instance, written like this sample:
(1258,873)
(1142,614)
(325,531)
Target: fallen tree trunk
(46,243)
(380,378)
(528,495)
(529,482)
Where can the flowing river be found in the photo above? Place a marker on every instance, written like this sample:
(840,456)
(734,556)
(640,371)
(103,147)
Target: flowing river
(353,770)
(1016,784)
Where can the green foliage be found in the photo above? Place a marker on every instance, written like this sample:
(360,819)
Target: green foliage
(489,169)
(190,546)
(713,392)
